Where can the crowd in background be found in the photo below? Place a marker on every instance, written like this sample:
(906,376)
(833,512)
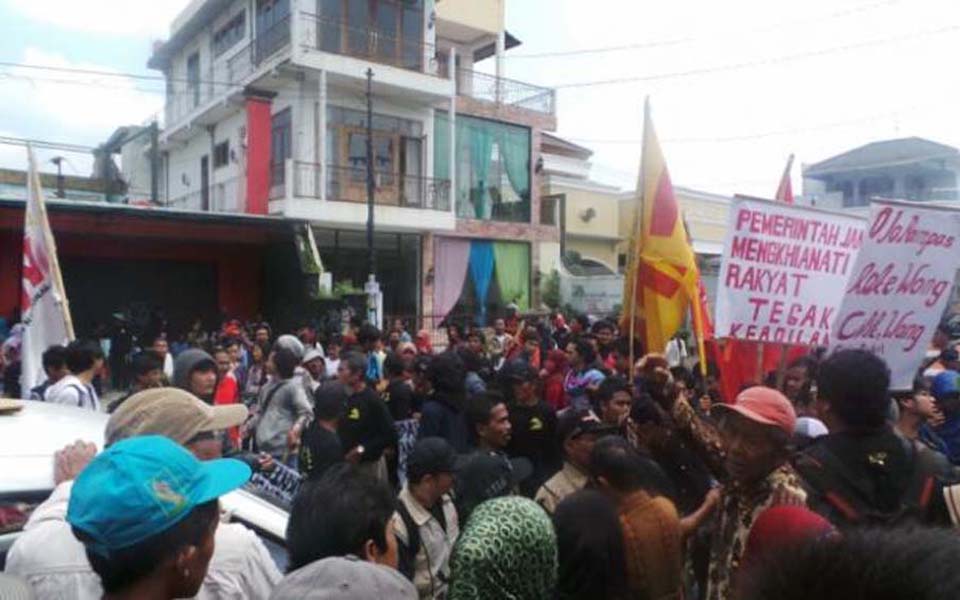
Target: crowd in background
(535,458)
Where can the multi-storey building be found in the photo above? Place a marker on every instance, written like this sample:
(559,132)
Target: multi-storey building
(266,115)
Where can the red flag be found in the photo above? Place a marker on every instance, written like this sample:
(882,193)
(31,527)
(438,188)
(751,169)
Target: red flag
(740,360)
(785,189)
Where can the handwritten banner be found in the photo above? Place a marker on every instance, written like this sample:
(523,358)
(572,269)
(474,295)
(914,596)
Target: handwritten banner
(280,484)
(784,271)
(900,285)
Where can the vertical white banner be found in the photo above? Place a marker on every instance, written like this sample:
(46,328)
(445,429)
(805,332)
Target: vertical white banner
(784,270)
(900,285)
(43,302)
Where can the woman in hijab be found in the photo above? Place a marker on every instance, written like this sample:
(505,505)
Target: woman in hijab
(507,551)
(590,545)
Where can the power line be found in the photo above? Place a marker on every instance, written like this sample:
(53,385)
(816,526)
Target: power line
(45,144)
(761,62)
(686,40)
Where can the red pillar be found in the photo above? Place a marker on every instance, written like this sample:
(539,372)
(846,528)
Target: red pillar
(258,153)
(10,257)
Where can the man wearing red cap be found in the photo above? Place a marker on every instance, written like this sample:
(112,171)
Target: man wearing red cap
(756,431)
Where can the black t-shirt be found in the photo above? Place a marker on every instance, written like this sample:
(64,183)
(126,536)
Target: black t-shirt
(399,399)
(319,450)
(534,436)
(367,422)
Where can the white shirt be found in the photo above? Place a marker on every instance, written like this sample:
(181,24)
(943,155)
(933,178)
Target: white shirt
(436,545)
(676,352)
(333,364)
(73,392)
(54,563)
(168,366)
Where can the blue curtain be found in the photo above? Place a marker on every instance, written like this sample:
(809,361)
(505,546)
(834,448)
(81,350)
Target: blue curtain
(481,273)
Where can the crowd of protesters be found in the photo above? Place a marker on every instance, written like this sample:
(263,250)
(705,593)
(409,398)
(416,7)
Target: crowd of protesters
(532,459)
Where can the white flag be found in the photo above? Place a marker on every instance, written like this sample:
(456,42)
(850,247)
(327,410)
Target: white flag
(43,301)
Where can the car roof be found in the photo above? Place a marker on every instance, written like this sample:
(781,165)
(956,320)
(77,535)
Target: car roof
(30,437)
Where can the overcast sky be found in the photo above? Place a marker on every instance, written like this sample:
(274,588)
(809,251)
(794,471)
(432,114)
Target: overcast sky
(736,86)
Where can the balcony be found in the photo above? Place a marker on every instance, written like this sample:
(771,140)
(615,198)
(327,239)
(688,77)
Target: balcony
(502,91)
(224,197)
(228,74)
(348,184)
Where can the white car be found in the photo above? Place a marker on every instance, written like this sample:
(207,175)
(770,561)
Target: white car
(30,437)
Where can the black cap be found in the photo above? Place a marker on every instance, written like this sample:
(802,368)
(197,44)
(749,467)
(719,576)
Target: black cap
(486,475)
(518,371)
(575,422)
(429,456)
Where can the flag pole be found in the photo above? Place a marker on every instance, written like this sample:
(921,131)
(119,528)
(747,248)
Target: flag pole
(635,240)
(51,244)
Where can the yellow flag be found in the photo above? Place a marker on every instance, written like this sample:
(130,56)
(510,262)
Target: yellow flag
(662,277)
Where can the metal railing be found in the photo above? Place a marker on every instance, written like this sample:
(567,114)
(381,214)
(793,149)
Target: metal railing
(223,197)
(226,75)
(320,32)
(349,184)
(503,91)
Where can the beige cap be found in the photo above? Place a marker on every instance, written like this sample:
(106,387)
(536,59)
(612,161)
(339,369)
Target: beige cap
(173,413)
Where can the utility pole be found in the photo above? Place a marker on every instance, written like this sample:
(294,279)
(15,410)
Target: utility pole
(155,163)
(372,288)
(371,185)
(58,160)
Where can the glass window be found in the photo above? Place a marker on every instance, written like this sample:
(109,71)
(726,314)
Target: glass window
(221,154)
(358,23)
(193,77)
(230,34)
(280,145)
(331,21)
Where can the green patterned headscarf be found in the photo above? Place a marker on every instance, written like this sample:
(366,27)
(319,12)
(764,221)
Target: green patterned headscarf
(507,551)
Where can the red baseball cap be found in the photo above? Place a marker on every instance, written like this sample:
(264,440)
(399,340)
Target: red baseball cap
(765,405)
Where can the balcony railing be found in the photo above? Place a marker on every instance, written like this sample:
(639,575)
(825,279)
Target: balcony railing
(503,91)
(224,197)
(227,75)
(336,36)
(349,184)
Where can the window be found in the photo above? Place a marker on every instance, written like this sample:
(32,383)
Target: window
(388,31)
(193,78)
(492,162)
(397,157)
(230,34)
(280,146)
(221,154)
(273,27)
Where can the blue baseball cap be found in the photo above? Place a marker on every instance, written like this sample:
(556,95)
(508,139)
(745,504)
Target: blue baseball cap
(946,382)
(143,486)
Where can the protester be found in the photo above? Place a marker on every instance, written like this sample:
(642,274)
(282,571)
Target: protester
(475,367)
(917,410)
(676,351)
(196,372)
(426,521)
(401,328)
(583,379)
(147,374)
(487,472)
(315,366)
(533,424)
(499,343)
(228,389)
(552,376)
(615,401)
(50,558)
(366,428)
(344,578)
(345,513)
(283,408)
(577,432)
(161,346)
(651,527)
(257,376)
(779,528)
(399,393)
(146,511)
(423,343)
(369,338)
(54,362)
(880,564)
(508,549)
(84,360)
(590,548)
(862,472)
(320,446)
(946,390)
(442,414)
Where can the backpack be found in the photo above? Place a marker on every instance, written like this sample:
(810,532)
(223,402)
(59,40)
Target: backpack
(834,482)
(407,552)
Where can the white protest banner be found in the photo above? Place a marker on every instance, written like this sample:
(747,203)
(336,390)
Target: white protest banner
(900,285)
(784,271)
